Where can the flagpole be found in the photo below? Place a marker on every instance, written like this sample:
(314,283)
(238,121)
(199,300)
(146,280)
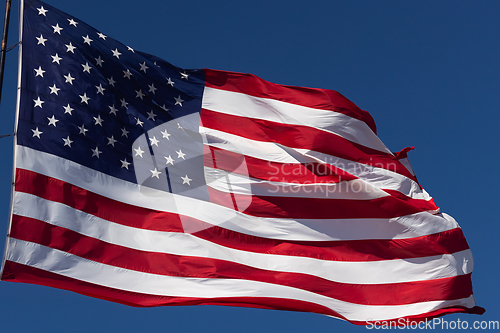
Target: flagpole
(3,51)
(18,102)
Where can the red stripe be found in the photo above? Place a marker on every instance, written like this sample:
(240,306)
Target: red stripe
(450,241)
(303,137)
(418,203)
(95,204)
(66,240)
(322,99)
(306,173)
(446,242)
(55,190)
(297,173)
(21,273)
(320,208)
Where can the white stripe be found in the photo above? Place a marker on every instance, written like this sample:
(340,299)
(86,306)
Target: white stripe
(374,272)
(229,182)
(270,151)
(243,105)
(75,267)
(403,227)
(406,162)
(414,225)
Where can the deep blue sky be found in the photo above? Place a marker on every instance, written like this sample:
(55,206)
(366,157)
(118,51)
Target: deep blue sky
(427,71)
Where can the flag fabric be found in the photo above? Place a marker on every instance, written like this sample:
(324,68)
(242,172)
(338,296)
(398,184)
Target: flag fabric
(146,184)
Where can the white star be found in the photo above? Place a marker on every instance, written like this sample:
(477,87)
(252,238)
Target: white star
(184,76)
(180,154)
(96,152)
(56,58)
(68,109)
(57,28)
(52,120)
(41,40)
(125,132)
(178,100)
(169,159)
(112,109)
(101,35)
(111,81)
(152,88)
(139,93)
(100,89)
(151,115)
(166,135)
(86,67)
(170,82)
(138,151)
(143,67)
(39,71)
(38,102)
(179,126)
(125,164)
(164,108)
(155,173)
(67,142)
(82,129)
(42,11)
(72,22)
(87,40)
(98,120)
(112,141)
(70,48)
(130,49)
(54,89)
(139,122)
(36,133)
(68,78)
(127,74)
(154,141)
(99,61)
(186,180)
(116,53)
(84,98)
(124,103)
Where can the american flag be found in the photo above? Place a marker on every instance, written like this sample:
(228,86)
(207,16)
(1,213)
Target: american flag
(147,184)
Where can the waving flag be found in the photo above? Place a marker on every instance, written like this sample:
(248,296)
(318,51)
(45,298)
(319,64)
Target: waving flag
(146,184)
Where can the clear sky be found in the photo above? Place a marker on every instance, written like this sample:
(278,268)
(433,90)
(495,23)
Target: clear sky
(427,71)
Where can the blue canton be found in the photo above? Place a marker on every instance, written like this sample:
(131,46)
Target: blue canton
(92,100)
